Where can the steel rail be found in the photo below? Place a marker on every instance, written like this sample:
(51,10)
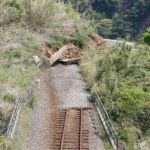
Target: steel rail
(70,132)
(63,134)
(81,144)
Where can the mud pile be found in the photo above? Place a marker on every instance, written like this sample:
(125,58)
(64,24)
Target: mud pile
(98,42)
(73,51)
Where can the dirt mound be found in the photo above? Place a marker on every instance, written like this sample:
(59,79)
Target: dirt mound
(73,52)
(98,42)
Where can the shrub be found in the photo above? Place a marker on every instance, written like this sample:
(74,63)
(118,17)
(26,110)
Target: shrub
(72,13)
(12,53)
(35,13)
(81,34)
(105,27)
(121,78)
(147,36)
(2,142)
(12,11)
(9,98)
(57,41)
(39,12)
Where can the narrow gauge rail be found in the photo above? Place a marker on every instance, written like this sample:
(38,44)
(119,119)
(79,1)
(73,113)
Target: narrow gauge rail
(71,131)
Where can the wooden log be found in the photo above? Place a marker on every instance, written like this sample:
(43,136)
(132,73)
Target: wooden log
(70,61)
(57,55)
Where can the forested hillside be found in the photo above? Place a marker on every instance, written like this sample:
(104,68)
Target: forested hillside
(116,18)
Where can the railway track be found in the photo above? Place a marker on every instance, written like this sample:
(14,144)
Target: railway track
(71,131)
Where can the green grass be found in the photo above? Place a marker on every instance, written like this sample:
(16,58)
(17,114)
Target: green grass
(56,26)
(3,36)
(106,143)
(82,34)
(72,13)
(24,124)
(25,34)
(17,69)
(22,130)
(13,53)
(9,97)
(18,76)
(2,142)
(57,41)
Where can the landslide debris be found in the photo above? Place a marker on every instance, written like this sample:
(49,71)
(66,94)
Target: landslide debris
(97,41)
(73,51)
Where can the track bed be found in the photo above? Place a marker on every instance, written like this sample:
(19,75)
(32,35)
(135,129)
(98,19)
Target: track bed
(71,130)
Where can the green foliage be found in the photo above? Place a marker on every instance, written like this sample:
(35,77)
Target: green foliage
(23,80)
(57,26)
(9,98)
(107,5)
(13,14)
(147,36)
(81,34)
(127,16)
(105,27)
(121,77)
(57,41)
(12,11)
(35,13)
(2,36)
(24,124)
(107,145)
(72,12)
(12,54)
(2,142)
(22,130)
(38,13)
(130,136)
(81,38)
(12,3)
(33,100)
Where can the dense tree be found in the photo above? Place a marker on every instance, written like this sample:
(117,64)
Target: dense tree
(147,36)
(105,27)
(108,6)
(127,15)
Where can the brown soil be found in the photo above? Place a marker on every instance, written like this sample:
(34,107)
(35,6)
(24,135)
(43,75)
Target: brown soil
(74,52)
(41,116)
(98,42)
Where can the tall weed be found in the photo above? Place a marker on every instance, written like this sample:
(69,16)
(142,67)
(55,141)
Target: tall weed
(121,76)
(39,12)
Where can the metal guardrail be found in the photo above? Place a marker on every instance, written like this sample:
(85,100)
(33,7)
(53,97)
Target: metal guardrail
(110,130)
(14,119)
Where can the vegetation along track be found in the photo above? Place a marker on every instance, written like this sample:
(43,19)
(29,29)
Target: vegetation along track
(71,130)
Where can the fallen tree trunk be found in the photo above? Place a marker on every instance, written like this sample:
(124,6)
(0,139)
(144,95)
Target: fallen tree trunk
(57,55)
(70,61)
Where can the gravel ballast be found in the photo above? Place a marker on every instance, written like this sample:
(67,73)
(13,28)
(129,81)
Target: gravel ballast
(61,87)
(70,88)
